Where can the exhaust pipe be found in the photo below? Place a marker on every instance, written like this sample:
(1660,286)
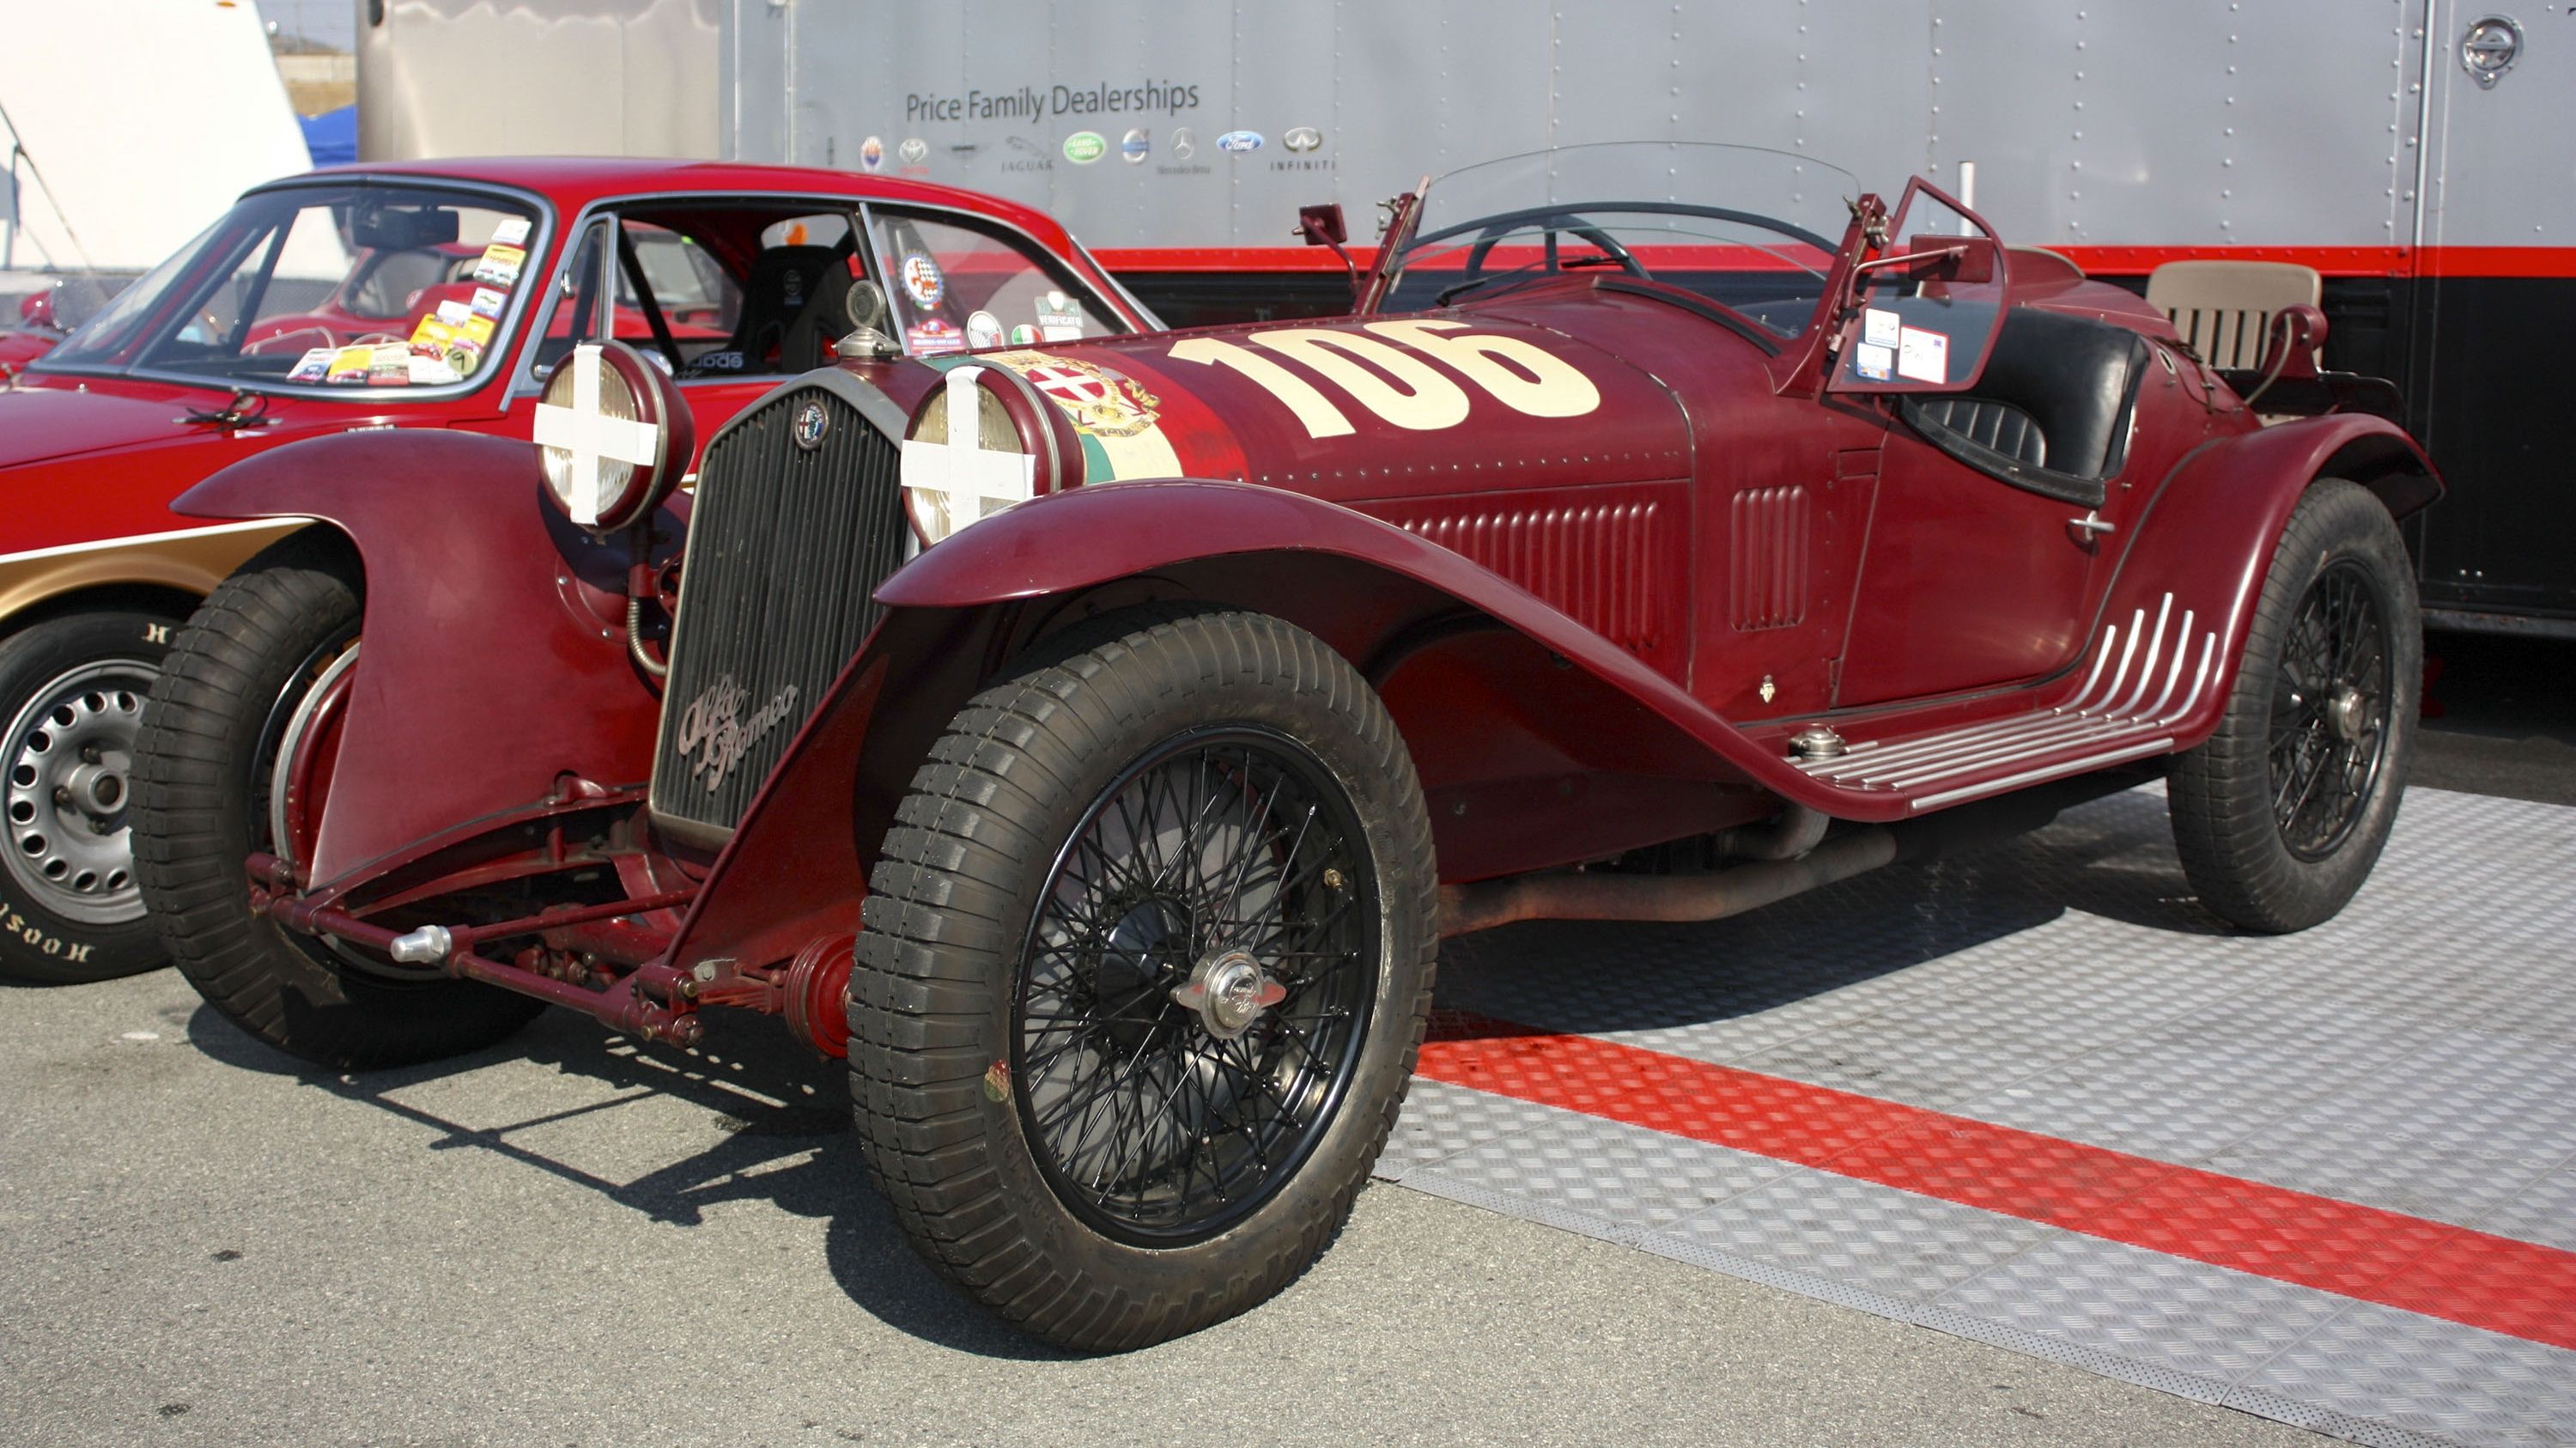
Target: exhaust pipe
(1602,895)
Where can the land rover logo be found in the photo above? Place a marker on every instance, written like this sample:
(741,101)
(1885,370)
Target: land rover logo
(813,424)
(713,728)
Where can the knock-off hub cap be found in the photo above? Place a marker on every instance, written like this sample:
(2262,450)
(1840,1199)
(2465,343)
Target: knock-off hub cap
(1229,992)
(2346,714)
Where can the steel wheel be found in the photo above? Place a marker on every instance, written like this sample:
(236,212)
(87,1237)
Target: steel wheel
(1195,986)
(70,749)
(2329,713)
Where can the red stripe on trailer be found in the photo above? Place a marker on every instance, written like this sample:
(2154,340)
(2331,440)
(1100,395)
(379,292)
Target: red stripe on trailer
(2530,262)
(2500,1284)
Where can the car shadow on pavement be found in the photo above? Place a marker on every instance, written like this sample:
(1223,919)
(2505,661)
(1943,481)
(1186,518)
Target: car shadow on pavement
(787,1143)
(2112,858)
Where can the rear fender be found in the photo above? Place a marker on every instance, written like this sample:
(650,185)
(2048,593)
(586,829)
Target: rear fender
(494,629)
(2204,544)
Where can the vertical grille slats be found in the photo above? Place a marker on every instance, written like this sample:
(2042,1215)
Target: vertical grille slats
(785,546)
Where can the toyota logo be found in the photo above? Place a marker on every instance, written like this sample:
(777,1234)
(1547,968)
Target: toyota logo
(812,425)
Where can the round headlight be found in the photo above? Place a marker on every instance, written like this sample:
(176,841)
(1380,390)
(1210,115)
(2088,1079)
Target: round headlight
(615,436)
(963,457)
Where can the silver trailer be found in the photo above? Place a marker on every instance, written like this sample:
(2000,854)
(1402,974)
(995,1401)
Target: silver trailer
(2414,152)
(537,77)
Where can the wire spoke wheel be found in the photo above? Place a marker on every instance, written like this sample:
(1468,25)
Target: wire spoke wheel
(2330,713)
(1195,985)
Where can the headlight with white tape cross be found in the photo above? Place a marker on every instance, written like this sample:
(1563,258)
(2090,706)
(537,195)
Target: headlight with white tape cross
(615,436)
(980,442)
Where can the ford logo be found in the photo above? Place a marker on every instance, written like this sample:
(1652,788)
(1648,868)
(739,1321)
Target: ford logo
(812,425)
(1235,143)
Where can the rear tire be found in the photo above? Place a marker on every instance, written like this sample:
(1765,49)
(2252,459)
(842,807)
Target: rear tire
(2280,815)
(210,736)
(1124,1044)
(71,698)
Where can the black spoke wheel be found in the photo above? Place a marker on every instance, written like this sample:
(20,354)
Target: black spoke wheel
(2280,815)
(2329,712)
(1195,986)
(1146,961)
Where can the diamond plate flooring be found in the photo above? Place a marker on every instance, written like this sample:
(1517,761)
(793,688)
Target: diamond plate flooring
(2416,1055)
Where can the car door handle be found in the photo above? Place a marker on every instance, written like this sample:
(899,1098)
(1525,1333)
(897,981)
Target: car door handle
(2089,527)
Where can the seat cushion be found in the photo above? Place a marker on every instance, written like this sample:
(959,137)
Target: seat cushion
(2000,426)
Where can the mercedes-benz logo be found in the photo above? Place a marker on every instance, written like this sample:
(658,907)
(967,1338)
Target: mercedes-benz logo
(813,424)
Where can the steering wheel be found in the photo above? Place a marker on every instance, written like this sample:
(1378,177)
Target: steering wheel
(1608,245)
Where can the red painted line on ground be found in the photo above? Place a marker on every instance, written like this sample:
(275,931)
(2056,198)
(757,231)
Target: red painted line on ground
(2500,1284)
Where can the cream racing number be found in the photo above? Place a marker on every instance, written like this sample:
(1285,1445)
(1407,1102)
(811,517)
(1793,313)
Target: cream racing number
(1422,398)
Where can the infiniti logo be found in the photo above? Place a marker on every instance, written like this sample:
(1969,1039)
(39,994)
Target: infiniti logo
(713,723)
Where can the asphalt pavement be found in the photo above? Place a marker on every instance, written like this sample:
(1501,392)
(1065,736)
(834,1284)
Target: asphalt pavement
(571,1241)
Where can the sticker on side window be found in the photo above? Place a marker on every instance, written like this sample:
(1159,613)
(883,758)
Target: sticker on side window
(499,264)
(1879,327)
(1059,318)
(1923,356)
(313,366)
(513,231)
(935,338)
(922,281)
(1873,362)
(983,329)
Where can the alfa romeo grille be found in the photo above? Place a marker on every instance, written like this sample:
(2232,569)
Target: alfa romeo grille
(785,544)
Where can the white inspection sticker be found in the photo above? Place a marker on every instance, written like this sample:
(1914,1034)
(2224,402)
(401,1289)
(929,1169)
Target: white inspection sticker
(1873,362)
(1923,356)
(1878,327)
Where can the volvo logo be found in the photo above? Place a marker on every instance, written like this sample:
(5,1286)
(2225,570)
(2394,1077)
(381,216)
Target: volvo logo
(813,424)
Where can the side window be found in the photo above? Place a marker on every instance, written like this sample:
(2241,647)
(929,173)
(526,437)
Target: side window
(957,286)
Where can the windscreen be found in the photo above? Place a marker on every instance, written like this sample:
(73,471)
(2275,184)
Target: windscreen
(1754,230)
(359,284)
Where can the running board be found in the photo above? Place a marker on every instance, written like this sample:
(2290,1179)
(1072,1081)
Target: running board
(2140,686)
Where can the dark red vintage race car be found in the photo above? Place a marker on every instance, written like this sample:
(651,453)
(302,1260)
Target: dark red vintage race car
(1670,529)
(433,295)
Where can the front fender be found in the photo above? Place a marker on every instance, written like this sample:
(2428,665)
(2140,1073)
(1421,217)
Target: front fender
(2208,535)
(495,656)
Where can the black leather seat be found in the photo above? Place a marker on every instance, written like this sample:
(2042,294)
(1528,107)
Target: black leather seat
(2051,411)
(793,302)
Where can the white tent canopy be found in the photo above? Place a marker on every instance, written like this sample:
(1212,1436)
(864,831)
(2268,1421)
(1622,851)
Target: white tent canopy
(131,125)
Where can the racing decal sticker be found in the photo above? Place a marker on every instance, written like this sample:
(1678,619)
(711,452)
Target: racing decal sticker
(349,366)
(1879,327)
(1923,356)
(1521,375)
(1118,421)
(313,366)
(934,338)
(513,231)
(1059,318)
(389,365)
(872,154)
(1084,147)
(1024,335)
(922,280)
(1874,363)
(500,264)
(488,303)
(983,329)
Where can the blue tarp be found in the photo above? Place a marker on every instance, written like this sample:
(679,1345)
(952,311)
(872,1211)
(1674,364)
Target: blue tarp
(332,136)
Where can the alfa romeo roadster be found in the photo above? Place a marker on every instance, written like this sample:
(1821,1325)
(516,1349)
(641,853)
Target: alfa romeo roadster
(1094,740)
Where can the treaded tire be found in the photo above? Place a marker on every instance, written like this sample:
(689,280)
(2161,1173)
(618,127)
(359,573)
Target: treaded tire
(251,646)
(2232,842)
(40,944)
(954,904)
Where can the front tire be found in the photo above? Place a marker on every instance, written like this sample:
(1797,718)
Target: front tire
(237,679)
(1147,957)
(71,696)
(2280,815)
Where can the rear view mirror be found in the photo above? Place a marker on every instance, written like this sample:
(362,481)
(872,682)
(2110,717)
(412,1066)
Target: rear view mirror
(1322,225)
(1950,258)
(397,228)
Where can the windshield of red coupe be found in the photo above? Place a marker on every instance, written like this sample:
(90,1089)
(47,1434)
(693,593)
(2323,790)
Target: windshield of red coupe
(354,284)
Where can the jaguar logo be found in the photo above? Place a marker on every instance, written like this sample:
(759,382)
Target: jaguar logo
(813,424)
(713,727)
